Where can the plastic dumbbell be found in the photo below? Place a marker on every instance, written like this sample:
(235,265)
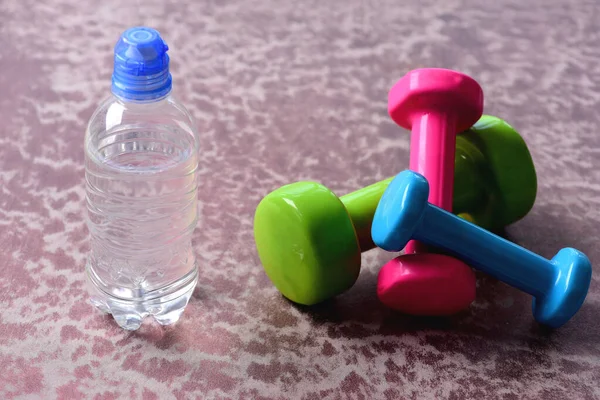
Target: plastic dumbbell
(559,286)
(309,241)
(435,105)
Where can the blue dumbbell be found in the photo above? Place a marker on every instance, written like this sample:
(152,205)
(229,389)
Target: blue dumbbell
(559,286)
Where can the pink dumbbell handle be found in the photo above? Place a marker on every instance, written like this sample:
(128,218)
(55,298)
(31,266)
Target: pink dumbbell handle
(432,148)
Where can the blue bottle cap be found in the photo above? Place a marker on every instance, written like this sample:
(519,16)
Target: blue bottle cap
(141,65)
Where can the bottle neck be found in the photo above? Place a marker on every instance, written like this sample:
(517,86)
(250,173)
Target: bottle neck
(133,103)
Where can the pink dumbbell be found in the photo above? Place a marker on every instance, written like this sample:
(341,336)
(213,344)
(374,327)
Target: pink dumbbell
(436,105)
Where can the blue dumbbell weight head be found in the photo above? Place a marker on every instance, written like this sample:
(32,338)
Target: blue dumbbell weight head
(559,286)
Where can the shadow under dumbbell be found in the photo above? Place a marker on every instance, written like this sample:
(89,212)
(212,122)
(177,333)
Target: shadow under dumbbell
(500,316)
(350,321)
(505,312)
(358,304)
(362,314)
(499,321)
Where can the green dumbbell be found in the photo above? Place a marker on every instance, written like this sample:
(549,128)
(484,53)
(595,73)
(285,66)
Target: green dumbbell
(310,241)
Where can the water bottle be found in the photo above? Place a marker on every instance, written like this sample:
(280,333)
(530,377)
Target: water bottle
(141,159)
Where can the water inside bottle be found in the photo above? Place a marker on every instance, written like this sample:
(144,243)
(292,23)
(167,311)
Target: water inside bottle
(141,200)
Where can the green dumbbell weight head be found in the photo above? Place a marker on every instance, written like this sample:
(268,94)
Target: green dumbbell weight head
(495,180)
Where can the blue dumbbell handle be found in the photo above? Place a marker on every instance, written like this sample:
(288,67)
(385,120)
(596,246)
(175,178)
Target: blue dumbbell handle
(486,251)
(559,286)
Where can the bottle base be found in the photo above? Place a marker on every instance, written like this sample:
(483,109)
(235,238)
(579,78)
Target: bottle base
(165,305)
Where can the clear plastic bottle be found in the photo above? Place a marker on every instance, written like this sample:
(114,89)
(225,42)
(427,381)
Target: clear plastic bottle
(141,159)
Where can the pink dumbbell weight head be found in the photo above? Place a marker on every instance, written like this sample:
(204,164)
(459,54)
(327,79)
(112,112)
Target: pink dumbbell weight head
(435,105)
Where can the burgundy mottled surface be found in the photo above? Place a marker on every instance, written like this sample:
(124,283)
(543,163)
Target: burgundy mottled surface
(284,91)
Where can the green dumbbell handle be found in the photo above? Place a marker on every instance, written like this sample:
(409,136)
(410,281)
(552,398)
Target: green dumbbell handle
(361,206)
(362,203)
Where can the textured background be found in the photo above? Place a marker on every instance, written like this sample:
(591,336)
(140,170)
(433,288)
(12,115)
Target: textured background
(284,91)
